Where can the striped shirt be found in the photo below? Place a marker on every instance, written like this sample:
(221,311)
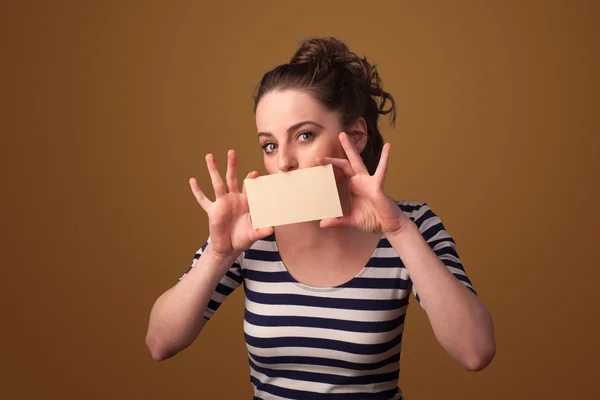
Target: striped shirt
(335,343)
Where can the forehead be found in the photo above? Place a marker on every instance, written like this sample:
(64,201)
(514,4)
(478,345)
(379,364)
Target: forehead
(278,110)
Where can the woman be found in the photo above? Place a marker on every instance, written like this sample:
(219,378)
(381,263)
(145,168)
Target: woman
(325,300)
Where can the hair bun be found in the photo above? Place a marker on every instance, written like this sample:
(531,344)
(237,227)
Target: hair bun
(324,55)
(322,52)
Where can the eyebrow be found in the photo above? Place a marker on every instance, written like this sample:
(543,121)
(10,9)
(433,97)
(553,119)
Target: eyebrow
(293,128)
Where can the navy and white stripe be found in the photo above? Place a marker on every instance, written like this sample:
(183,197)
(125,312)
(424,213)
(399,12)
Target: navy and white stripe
(336,343)
(434,232)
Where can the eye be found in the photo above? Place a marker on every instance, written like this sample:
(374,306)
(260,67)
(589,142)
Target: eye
(305,136)
(269,147)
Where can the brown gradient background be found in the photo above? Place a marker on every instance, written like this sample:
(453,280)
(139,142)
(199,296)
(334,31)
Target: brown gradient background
(108,108)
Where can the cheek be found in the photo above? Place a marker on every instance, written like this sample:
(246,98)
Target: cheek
(335,150)
(330,148)
(339,175)
(270,164)
(338,150)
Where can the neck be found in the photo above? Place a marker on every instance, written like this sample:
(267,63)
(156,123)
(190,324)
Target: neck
(304,236)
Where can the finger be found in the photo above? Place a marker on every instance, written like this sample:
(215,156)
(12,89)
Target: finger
(231,176)
(202,200)
(353,156)
(381,170)
(259,233)
(262,233)
(340,163)
(218,185)
(335,222)
(251,175)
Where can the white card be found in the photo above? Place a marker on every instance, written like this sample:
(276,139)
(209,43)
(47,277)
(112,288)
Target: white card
(307,194)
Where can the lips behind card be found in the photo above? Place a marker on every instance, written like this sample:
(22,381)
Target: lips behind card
(289,197)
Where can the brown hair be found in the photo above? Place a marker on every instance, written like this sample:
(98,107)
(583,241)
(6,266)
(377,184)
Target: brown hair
(342,82)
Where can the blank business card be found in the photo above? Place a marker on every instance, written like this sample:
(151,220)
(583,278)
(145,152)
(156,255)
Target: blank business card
(307,194)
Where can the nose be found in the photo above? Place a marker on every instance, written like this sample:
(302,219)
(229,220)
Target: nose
(287,160)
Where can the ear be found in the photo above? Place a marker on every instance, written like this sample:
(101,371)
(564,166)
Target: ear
(358,133)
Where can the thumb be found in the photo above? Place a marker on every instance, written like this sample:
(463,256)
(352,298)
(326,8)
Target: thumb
(262,233)
(251,175)
(335,222)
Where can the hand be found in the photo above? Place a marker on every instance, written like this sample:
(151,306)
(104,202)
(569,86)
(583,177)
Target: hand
(371,210)
(229,215)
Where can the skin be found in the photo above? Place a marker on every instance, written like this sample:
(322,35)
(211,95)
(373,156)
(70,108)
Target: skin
(295,131)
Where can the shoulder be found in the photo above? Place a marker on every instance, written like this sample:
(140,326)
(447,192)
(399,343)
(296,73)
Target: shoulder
(421,214)
(413,209)
(428,222)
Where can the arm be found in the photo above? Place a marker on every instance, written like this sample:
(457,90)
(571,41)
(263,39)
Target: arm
(177,317)
(459,319)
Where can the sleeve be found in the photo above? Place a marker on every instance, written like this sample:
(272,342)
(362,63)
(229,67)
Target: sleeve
(230,281)
(435,234)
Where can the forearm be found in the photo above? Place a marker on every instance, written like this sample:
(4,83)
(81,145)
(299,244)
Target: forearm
(177,316)
(459,319)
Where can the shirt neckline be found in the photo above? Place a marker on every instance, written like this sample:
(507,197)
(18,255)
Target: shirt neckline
(341,286)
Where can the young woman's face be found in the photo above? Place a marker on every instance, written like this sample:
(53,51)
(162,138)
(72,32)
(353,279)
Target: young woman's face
(294,129)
